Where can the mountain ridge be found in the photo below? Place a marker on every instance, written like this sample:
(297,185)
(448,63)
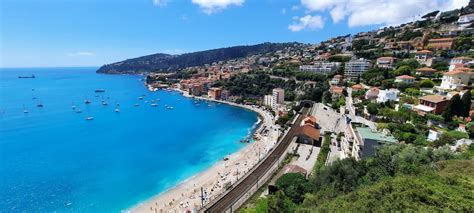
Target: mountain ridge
(161,62)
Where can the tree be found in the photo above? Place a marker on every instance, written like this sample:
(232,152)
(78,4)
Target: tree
(426,83)
(403,70)
(465,104)
(279,203)
(372,108)
(443,140)
(327,97)
(293,185)
(452,108)
(457,104)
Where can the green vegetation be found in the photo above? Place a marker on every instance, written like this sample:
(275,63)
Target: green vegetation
(324,152)
(397,178)
(164,62)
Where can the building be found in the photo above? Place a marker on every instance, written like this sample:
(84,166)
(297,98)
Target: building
(309,132)
(458,62)
(336,80)
(278,96)
(424,57)
(268,100)
(425,71)
(441,43)
(465,21)
(455,79)
(387,95)
(214,93)
(361,142)
(431,104)
(324,68)
(355,68)
(357,87)
(386,62)
(405,79)
(225,94)
(372,94)
(336,92)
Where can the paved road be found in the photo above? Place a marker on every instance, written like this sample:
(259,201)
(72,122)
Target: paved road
(226,201)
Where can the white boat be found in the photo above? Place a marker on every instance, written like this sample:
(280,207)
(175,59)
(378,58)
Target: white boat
(89,118)
(104,103)
(137,104)
(78,111)
(117,110)
(140,98)
(154,105)
(25,110)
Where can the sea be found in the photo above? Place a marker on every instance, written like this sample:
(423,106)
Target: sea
(52,159)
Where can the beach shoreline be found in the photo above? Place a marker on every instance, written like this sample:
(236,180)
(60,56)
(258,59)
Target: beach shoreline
(185,196)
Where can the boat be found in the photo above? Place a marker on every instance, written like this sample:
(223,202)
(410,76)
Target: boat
(154,105)
(89,118)
(117,110)
(78,111)
(99,90)
(39,105)
(104,103)
(137,104)
(140,98)
(31,76)
(87,101)
(245,141)
(25,110)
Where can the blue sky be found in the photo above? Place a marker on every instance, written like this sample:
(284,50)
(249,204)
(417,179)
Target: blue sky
(48,33)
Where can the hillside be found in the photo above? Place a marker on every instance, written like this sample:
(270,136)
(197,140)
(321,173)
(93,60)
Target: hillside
(164,62)
(398,178)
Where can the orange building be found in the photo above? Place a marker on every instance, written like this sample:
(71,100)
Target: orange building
(441,43)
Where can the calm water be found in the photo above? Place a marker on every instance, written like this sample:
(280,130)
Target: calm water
(52,159)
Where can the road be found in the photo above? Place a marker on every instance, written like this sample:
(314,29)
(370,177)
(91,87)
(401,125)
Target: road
(352,115)
(227,200)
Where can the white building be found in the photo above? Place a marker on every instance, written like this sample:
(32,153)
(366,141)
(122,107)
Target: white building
(267,100)
(386,62)
(465,20)
(455,79)
(458,62)
(278,96)
(424,57)
(355,68)
(405,79)
(387,95)
(324,68)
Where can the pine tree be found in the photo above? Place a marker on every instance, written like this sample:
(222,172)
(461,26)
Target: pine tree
(466,104)
(456,105)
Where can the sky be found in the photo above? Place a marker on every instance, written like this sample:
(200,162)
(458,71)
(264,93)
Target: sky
(62,33)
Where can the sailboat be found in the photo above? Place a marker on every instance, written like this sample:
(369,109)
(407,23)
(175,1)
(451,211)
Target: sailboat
(117,110)
(39,104)
(25,110)
(73,106)
(89,118)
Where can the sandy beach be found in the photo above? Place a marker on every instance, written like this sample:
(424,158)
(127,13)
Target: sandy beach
(186,196)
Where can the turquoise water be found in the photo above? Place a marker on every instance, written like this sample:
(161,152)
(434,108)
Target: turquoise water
(53,159)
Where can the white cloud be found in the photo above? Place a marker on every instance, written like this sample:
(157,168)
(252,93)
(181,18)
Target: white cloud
(387,12)
(212,6)
(160,3)
(81,53)
(307,22)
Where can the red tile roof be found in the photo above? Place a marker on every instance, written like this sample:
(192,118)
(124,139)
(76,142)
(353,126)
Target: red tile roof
(424,51)
(405,77)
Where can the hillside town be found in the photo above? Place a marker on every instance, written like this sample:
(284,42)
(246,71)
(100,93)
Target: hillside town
(407,84)
(400,85)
